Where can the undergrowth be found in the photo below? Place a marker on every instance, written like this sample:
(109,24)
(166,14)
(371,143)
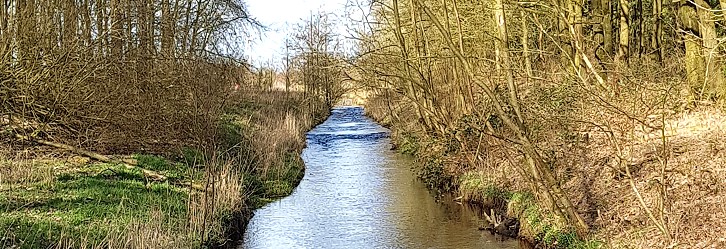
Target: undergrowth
(537,225)
(51,201)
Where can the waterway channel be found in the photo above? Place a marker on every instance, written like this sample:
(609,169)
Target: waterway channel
(358,193)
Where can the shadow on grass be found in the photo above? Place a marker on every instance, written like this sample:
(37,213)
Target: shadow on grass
(86,207)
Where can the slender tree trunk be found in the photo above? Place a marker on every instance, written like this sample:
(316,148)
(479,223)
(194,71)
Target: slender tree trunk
(457,85)
(713,74)
(525,44)
(186,29)
(70,23)
(598,30)
(565,39)
(607,28)
(101,27)
(144,28)
(468,86)
(578,34)
(129,43)
(86,30)
(26,30)
(623,51)
(166,33)
(656,38)
(404,56)
(422,99)
(116,32)
(5,34)
(506,62)
(640,32)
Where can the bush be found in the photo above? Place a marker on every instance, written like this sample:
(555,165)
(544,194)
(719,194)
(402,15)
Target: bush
(432,173)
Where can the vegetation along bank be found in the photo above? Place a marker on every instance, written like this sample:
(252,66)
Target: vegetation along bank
(596,124)
(123,128)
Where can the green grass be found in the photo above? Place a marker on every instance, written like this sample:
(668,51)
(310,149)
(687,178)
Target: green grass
(173,170)
(540,225)
(474,187)
(85,205)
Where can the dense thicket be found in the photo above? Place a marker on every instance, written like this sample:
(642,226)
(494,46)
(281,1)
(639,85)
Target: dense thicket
(528,88)
(119,75)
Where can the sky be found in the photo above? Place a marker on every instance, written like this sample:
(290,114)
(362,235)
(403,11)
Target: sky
(279,16)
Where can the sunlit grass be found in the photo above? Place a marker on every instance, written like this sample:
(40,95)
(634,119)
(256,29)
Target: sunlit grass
(85,205)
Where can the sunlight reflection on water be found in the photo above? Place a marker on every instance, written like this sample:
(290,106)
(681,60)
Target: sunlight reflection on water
(357,193)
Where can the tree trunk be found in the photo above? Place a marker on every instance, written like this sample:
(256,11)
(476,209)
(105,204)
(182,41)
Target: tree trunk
(641,29)
(70,23)
(607,28)
(116,31)
(713,70)
(656,38)
(623,51)
(404,56)
(166,33)
(525,44)
(5,35)
(145,27)
(578,38)
(86,19)
(693,57)
(26,30)
(101,26)
(468,86)
(423,101)
(505,58)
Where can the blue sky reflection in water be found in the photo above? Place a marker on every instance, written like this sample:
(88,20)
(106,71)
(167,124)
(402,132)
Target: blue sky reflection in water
(357,193)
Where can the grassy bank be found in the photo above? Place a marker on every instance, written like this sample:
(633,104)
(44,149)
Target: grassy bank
(71,203)
(53,198)
(536,225)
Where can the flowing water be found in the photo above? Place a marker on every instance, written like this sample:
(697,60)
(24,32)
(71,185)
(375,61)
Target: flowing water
(357,193)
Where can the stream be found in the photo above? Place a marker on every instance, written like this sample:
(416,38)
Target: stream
(358,193)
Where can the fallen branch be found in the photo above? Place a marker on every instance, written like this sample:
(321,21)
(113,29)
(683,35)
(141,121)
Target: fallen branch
(128,163)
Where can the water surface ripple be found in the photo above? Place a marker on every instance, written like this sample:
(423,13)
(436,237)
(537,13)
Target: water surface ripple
(357,193)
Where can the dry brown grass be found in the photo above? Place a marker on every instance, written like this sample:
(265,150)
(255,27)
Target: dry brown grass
(693,206)
(148,233)
(225,197)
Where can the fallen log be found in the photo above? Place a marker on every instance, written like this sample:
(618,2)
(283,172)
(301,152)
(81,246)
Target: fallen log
(128,163)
